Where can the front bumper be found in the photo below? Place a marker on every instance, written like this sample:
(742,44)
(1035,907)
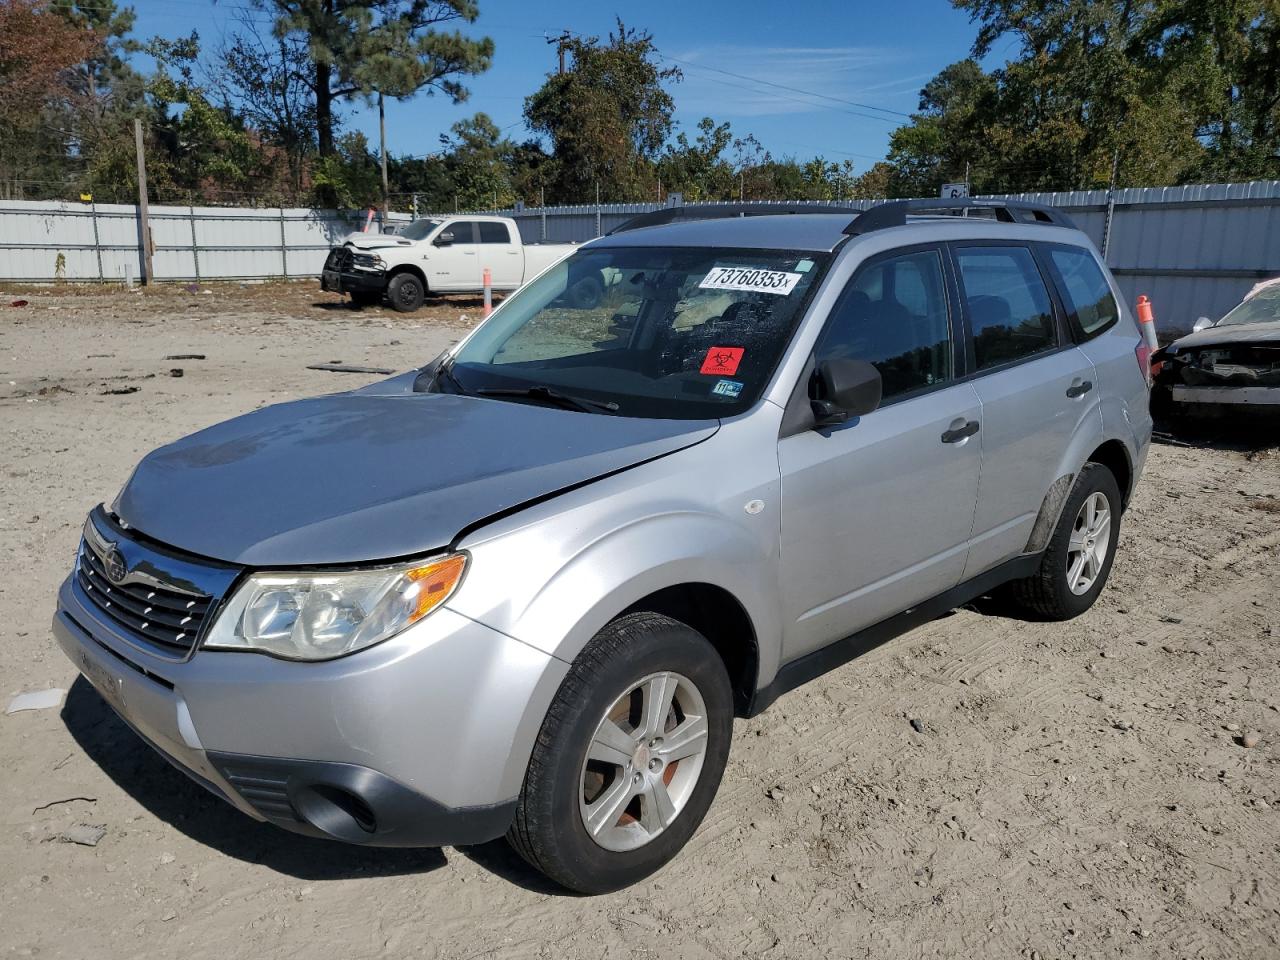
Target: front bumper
(1247,396)
(353,281)
(419,741)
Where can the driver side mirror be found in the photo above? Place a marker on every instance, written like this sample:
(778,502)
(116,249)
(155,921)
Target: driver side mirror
(846,388)
(1204,323)
(444,239)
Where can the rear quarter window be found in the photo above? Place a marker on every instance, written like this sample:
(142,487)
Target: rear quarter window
(1085,289)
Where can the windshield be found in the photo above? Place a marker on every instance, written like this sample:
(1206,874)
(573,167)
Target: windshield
(675,333)
(419,229)
(1262,307)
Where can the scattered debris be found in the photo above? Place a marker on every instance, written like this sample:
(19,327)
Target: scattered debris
(36,700)
(916,725)
(1122,725)
(167,858)
(119,391)
(185,356)
(18,303)
(1250,739)
(85,834)
(1169,618)
(776,793)
(337,367)
(175,372)
(54,803)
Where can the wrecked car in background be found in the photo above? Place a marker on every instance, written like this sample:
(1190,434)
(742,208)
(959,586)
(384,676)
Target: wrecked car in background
(1229,365)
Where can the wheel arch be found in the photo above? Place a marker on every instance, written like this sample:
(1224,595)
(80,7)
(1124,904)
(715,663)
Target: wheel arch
(720,617)
(409,268)
(1114,455)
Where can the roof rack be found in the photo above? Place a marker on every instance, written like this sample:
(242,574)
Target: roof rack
(722,211)
(894,213)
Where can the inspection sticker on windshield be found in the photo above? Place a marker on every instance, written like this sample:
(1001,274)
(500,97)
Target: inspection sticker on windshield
(750,280)
(727,388)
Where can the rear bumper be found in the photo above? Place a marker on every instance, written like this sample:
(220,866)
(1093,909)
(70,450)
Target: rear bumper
(1250,396)
(420,741)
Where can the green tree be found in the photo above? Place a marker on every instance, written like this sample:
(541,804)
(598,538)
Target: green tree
(700,170)
(358,48)
(608,117)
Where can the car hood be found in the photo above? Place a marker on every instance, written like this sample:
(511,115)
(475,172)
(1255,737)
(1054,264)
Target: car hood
(375,241)
(1232,333)
(374,474)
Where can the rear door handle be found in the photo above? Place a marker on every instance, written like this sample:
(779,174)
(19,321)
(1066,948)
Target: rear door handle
(1079,389)
(956,434)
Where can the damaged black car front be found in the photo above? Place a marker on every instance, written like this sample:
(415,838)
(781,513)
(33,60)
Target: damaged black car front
(1224,367)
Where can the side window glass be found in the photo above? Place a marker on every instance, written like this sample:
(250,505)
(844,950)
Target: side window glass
(1091,300)
(494,232)
(894,315)
(1009,308)
(464,231)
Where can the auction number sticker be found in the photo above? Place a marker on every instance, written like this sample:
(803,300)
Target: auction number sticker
(751,280)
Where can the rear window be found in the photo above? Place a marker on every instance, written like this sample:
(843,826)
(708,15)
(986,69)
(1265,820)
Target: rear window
(1010,315)
(1086,289)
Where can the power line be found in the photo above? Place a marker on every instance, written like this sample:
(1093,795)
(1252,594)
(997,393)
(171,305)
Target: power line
(783,86)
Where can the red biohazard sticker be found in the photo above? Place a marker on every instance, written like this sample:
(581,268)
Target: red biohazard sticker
(723,361)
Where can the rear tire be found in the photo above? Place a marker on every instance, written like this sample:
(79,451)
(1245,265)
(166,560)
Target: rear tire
(624,731)
(406,292)
(1077,561)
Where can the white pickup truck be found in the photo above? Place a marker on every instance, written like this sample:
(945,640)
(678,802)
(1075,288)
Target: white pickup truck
(446,255)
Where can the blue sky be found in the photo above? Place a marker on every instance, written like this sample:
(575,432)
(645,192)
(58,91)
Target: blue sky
(817,59)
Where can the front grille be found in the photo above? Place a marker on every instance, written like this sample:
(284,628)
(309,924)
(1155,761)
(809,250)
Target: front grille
(339,259)
(169,618)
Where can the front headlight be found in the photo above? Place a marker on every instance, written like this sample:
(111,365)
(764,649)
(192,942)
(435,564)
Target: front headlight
(318,616)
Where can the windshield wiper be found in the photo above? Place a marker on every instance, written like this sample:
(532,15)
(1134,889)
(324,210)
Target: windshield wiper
(549,395)
(445,372)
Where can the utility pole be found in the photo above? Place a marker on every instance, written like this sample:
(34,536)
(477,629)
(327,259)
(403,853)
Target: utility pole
(382,135)
(560,43)
(143,217)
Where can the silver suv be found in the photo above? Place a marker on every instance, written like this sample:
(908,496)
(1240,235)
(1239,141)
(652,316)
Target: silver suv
(526,589)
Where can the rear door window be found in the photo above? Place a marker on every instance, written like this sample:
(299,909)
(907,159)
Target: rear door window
(494,232)
(1085,290)
(894,315)
(1010,313)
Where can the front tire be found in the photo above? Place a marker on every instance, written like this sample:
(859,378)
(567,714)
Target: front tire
(1078,558)
(406,292)
(629,757)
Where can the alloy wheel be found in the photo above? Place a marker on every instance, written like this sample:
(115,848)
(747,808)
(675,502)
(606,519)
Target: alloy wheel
(643,761)
(1090,540)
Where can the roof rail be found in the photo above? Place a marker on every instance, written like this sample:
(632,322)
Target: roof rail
(894,213)
(721,211)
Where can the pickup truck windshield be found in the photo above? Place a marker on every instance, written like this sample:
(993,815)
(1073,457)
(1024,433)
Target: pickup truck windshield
(675,333)
(419,229)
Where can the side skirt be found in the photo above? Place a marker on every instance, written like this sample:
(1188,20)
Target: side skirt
(812,665)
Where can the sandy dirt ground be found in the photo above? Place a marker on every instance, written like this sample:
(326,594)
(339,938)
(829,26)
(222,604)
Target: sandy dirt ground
(1075,790)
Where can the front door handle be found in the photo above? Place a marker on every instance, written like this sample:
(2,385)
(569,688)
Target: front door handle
(956,434)
(1079,389)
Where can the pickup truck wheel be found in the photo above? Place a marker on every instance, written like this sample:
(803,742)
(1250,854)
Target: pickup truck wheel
(1078,559)
(405,292)
(587,293)
(629,757)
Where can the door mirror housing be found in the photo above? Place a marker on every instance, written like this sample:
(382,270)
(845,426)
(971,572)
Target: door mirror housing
(845,388)
(1204,323)
(443,239)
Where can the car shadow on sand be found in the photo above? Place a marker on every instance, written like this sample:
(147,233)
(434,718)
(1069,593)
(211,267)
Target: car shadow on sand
(168,794)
